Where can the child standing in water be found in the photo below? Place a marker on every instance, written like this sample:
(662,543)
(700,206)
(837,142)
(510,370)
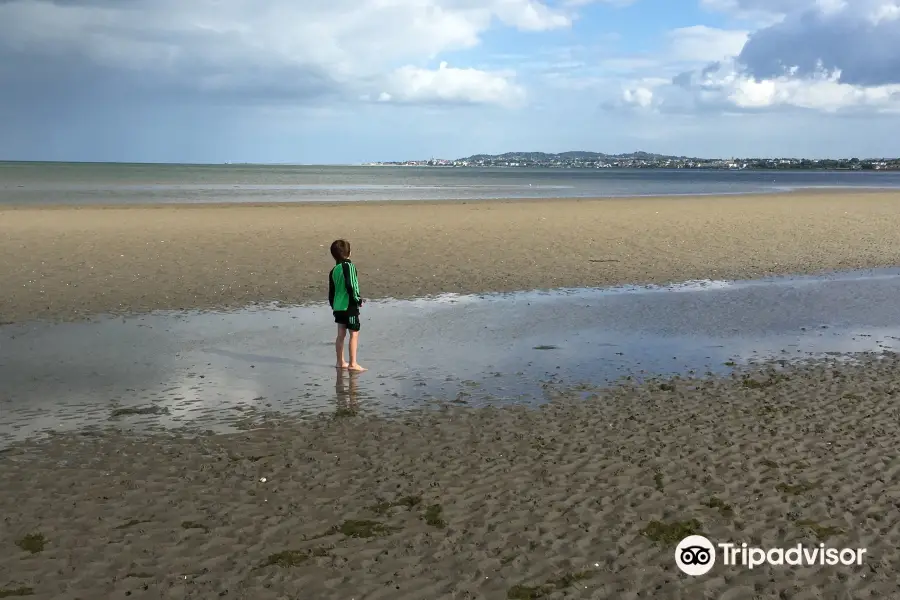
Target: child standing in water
(345,301)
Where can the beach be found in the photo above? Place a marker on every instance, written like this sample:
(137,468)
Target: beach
(586,496)
(581,498)
(72,262)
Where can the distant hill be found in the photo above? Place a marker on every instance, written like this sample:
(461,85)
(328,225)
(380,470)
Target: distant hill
(580,159)
(571,155)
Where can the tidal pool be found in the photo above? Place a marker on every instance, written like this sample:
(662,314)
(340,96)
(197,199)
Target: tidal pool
(210,370)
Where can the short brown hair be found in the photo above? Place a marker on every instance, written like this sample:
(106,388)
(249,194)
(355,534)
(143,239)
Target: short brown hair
(340,250)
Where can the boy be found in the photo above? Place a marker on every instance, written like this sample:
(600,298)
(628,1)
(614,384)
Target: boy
(343,296)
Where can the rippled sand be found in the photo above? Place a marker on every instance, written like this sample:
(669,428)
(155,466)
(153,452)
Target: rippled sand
(579,499)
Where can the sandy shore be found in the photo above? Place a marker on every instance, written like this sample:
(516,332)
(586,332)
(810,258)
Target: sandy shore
(582,498)
(579,499)
(70,262)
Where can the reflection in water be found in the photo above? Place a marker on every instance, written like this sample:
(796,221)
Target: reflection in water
(200,369)
(346,393)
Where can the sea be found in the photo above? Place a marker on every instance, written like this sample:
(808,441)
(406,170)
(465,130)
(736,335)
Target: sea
(24,183)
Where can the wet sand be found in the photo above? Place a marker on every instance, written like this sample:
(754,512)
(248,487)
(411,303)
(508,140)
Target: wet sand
(65,263)
(581,499)
(584,497)
(216,370)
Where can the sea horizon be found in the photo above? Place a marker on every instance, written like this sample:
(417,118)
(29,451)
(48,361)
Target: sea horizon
(399,162)
(83,183)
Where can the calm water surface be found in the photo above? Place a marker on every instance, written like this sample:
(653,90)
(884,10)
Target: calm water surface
(211,369)
(86,183)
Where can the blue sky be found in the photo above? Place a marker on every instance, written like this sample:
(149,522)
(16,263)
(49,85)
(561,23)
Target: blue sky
(349,81)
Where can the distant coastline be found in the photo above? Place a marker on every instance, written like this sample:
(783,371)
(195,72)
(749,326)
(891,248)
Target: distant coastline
(535,160)
(645,160)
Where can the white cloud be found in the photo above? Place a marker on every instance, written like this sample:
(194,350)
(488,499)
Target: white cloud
(828,56)
(885,12)
(239,44)
(448,85)
(640,96)
(705,44)
(687,47)
(822,92)
(726,88)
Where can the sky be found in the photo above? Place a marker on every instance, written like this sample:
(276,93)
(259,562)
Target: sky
(349,81)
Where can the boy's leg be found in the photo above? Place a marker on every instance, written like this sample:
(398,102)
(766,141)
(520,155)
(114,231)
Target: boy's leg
(354,342)
(339,347)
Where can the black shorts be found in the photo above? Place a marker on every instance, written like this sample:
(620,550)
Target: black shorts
(347,319)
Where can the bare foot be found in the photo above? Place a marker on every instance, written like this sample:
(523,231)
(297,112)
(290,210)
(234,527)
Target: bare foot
(358,368)
(343,365)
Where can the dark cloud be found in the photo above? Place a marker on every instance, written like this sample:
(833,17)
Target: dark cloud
(865,51)
(58,107)
(106,51)
(697,79)
(30,80)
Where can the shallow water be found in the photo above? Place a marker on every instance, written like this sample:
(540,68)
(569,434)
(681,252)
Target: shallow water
(213,370)
(85,183)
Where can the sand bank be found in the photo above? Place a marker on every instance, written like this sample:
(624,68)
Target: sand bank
(583,498)
(70,262)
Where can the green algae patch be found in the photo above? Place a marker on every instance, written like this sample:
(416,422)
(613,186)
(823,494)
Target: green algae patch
(291,558)
(345,413)
(434,516)
(820,531)
(17,592)
(145,410)
(33,542)
(131,523)
(726,509)
(794,490)
(670,533)
(383,507)
(361,528)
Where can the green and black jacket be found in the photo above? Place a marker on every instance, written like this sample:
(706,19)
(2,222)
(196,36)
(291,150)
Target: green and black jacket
(343,288)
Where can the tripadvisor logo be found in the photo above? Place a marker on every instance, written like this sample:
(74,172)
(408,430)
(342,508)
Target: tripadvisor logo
(696,555)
